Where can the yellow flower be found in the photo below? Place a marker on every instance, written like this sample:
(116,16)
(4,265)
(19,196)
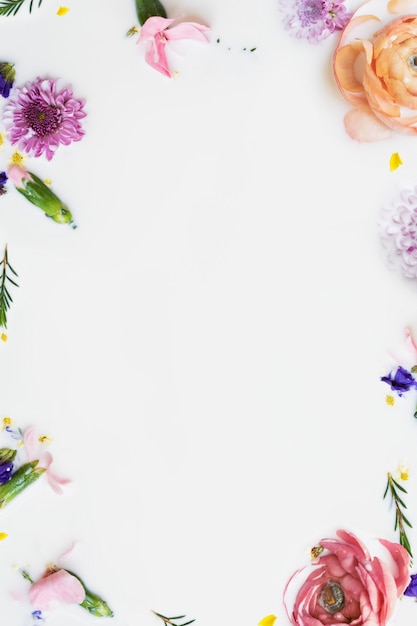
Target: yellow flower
(269,620)
(3,337)
(403,471)
(395,161)
(17,158)
(44,439)
(3,536)
(62,10)
(389,400)
(6,422)
(2,138)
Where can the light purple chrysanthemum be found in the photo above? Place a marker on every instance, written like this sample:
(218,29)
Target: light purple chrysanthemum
(39,117)
(398,230)
(314,20)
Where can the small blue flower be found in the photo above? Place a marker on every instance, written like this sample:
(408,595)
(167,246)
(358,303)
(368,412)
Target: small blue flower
(7,76)
(412,587)
(401,380)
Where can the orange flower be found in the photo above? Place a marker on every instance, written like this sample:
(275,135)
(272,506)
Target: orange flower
(377,73)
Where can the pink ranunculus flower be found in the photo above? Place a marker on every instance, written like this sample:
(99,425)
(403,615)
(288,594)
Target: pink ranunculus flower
(158,31)
(56,587)
(346,585)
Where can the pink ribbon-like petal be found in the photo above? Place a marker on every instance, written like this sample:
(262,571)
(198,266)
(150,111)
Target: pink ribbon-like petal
(54,480)
(57,588)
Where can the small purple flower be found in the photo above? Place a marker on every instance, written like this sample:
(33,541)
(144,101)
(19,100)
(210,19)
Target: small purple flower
(7,76)
(412,587)
(37,616)
(314,20)
(6,470)
(401,380)
(39,117)
(3,181)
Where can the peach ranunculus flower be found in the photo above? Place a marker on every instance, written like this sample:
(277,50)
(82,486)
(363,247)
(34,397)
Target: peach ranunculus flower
(375,66)
(346,585)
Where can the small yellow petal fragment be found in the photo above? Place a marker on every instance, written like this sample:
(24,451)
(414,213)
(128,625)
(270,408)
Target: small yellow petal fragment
(6,422)
(3,536)
(45,439)
(395,161)
(132,31)
(269,620)
(389,400)
(4,337)
(47,181)
(62,10)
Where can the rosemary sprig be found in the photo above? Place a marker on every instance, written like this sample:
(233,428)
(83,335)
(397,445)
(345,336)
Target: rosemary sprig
(400,519)
(171,620)
(5,297)
(11,7)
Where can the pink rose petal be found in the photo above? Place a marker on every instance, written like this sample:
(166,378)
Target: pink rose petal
(55,589)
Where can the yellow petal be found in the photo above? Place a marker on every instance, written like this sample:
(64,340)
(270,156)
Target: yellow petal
(395,161)
(3,337)
(62,10)
(390,400)
(3,536)
(269,620)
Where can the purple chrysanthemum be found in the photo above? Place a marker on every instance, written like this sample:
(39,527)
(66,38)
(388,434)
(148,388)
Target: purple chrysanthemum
(400,380)
(39,117)
(398,231)
(314,20)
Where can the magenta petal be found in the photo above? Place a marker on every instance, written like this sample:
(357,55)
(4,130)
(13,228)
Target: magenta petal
(187,30)
(57,588)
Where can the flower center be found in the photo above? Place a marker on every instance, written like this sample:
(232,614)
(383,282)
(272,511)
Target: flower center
(311,12)
(332,598)
(43,119)
(412,61)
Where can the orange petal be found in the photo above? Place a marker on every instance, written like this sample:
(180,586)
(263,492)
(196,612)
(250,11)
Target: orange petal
(402,6)
(364,126)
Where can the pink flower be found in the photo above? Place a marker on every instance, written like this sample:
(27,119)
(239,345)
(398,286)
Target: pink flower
(45,460)
(157,32)
(56,587)
(39,117)
(346,585)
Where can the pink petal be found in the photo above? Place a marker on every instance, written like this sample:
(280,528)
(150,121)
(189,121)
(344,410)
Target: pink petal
(156,57)
(57,588)
(364,126)
(29,436)
(411,345)
(154,25)
(17,174)
(187,30)
(402,562)
(53,479)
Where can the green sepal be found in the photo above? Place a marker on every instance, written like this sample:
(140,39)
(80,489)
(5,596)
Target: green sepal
(7,71)
(7,455)
(21,478)
(149,8)
(92,602)
(39,194)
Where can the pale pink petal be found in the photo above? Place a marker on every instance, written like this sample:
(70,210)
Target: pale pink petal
(187,30)
(402,6)
(54,480)
(29,436)
(154,25)
(410,343)
(364,126)
(17,175)
(402,562)
(54,589)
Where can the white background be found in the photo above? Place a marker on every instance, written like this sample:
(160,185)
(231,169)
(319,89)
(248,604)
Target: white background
(205,349)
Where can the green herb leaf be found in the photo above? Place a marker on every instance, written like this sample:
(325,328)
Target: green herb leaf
(149,8)
(11,7)
(5,297)
(171,621)
(400,519)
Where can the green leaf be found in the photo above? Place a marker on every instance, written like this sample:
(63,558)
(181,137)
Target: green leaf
(11,7)
(149,8)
